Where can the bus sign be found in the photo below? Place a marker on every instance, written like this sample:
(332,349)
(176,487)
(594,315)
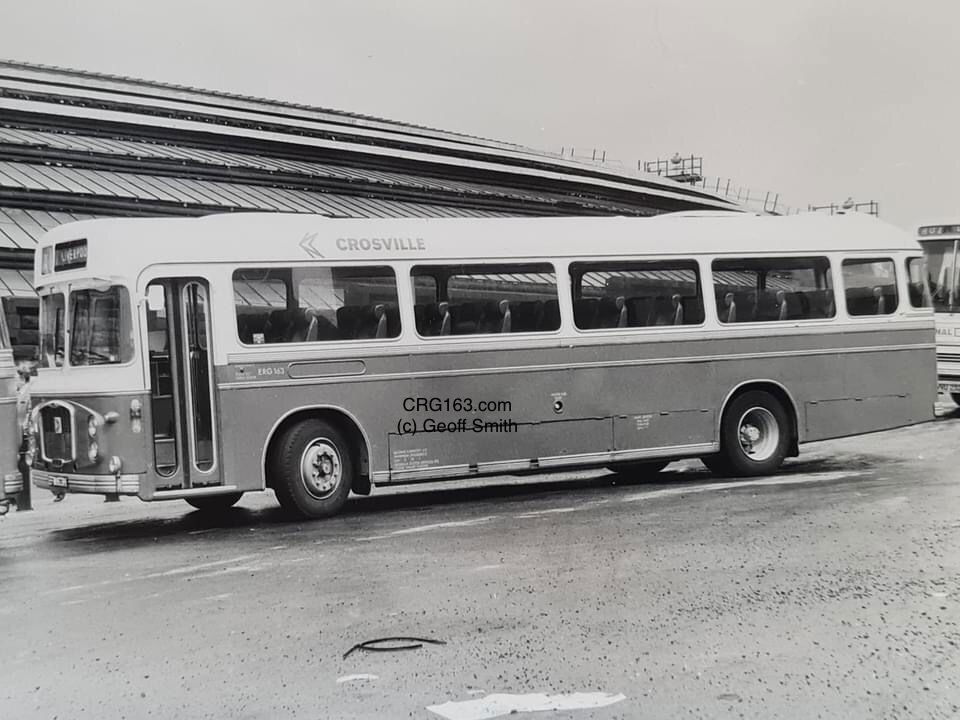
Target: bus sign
(70,255)
(930,230)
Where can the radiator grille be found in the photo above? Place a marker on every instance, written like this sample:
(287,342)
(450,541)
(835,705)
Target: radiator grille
(57,432)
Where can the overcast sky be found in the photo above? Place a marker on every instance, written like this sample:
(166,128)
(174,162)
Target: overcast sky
(815,99)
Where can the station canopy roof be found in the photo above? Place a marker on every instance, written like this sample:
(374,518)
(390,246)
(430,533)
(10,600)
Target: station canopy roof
(76,145)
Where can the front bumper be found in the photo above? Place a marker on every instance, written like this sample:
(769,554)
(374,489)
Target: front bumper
(948,376)
(92,484)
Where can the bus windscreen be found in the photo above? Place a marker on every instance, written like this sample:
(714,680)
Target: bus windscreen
(942,268)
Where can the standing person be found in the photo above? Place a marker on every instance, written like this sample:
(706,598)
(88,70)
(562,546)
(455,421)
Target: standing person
(25,371)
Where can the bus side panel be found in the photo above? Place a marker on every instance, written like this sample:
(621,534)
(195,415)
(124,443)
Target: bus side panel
(246,418)
(652,405)
(251,412)
(646,430)
(9,430)
(542,408)
(9,440)
(565,401)
(532,411)
(582,400)
(483,443)
(871,401)
(843,383)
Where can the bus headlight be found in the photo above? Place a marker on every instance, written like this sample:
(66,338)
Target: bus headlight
(93,452)
(92,426)
(115,465)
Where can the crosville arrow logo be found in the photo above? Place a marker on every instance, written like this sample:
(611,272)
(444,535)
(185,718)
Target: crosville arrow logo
(307,245)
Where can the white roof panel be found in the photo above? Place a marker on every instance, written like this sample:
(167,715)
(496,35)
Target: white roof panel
(266,238)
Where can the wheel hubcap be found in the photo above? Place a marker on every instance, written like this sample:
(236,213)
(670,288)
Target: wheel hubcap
(320,468)
(759,434)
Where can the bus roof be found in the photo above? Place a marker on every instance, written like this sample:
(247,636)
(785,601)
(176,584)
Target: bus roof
(117,247)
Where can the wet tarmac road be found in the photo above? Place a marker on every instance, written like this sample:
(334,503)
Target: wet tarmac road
(829,590)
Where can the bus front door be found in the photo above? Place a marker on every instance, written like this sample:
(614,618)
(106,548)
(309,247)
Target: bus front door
(183,405)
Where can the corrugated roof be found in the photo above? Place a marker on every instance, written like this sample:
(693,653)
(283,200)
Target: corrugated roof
(16,283)
(86,100)
(209,195)
(21,229)
(80,150)
(149,89)
(138,150)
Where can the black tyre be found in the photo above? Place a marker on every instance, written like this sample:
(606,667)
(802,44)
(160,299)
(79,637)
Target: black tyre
(754,436)
(955,397)
(638,469)
(215,503)
(312,469)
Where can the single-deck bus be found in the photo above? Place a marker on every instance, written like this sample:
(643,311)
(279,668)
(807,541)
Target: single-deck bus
(10,435)
(204,358)
(941,243)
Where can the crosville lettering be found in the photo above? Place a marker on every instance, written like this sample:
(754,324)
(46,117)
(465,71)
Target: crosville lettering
(406,244)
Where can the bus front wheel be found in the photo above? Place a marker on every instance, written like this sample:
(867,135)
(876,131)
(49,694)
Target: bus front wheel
(215,503)
(754,436)
(312,469)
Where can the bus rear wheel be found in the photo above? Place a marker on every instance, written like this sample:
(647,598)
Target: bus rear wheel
(754,436)
(312,469)
(955,397)
(215,503)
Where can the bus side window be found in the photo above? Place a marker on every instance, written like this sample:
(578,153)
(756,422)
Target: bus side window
(870,286)
(485,299)
(362,301)
(307,304)
(23,322)
(259,293)
(635,294)
(771,289)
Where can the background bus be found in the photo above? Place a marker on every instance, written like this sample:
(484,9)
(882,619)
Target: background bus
(940,248)
(10,435)
(203,358)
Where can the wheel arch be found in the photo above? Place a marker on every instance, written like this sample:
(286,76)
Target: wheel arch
(344,421)
(777,390)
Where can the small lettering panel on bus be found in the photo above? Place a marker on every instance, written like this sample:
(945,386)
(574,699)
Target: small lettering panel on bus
(70,255)
(260,372)
(57,481)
